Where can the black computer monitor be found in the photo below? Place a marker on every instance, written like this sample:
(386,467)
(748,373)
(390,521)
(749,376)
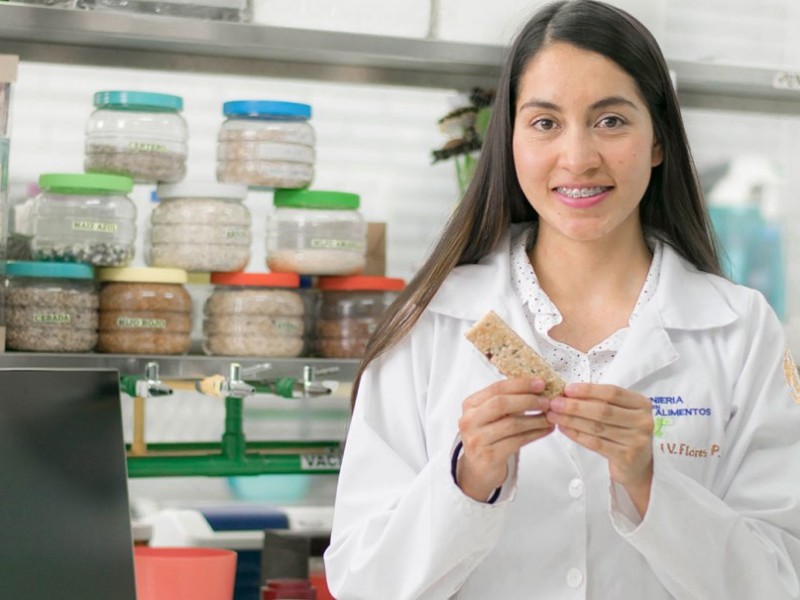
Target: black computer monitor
(64,516)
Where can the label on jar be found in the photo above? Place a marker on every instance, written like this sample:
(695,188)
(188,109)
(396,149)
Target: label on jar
(51,318)
(147,147)
(138,323)
(336,244)
(319,462)
(236,233)
(284,326)
(94,226)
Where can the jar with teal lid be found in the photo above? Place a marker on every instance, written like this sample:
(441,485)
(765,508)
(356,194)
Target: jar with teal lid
(266,143)
(141,135)
(84,217)
(51,307)
(316,233)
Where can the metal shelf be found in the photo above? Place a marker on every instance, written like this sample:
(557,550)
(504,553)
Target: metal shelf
(107,38)
(145,41)
(174,367)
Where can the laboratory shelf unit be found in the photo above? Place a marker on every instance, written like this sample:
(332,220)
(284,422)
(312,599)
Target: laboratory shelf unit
(108,38)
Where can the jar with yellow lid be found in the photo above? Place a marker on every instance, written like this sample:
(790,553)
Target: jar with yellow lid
(144,311)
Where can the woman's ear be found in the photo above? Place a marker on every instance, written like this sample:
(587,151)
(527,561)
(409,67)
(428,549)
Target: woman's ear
(657,155)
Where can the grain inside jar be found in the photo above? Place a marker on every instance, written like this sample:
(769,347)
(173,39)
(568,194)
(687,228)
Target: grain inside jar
(144,311)
(255,314)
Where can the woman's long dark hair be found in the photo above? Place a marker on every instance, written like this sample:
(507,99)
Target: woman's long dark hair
(672,208)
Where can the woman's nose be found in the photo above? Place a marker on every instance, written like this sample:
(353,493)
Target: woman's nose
(579,152)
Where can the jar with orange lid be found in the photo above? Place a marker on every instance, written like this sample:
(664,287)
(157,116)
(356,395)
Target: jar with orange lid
(144,311)
(349,311)
(255,314)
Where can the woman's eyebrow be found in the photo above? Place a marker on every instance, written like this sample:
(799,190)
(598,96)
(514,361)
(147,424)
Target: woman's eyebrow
(613,101)
(608,102)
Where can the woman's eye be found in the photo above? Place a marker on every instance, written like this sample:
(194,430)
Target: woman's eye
(611,122)
(544,124)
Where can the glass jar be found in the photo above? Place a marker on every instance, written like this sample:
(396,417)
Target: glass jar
(266,143)
(255,314)
(138,134)
(144,311)
(349,311)
(316,233)
(84,218)
(51,307)
(200,227)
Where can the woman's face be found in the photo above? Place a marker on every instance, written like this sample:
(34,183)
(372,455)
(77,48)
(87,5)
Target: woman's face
(583,144)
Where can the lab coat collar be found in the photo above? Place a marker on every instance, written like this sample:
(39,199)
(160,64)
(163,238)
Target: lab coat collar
(685,297)
(689,299)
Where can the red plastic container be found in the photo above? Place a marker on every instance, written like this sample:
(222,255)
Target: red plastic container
(288,589)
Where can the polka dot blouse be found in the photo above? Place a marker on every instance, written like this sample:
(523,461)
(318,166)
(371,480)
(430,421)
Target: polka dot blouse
(570,363)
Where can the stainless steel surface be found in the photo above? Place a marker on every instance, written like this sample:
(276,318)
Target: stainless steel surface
(144,41)
(737,88)
(174,367)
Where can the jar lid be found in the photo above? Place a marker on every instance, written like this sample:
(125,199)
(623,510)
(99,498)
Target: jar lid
(198,189)
(82,183)
(315,199)
(141,275)
(361,283)
(267,109)
(284,280)
(49,269)
(126,100)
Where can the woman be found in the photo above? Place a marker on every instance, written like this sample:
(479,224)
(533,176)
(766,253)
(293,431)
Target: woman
(669,468)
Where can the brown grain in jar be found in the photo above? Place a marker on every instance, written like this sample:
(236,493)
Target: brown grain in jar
(144,311)
(349,311)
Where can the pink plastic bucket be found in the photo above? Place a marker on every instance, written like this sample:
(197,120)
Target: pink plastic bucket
(184,573)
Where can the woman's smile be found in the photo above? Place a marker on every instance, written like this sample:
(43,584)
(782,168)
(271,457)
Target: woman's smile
(582,196)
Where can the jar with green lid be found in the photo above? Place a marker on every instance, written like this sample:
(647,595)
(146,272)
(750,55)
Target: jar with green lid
(255,314)
(51,307)
(266,143)
(138,134)
(200,227)
(144,311)
(84,217)
(316,233)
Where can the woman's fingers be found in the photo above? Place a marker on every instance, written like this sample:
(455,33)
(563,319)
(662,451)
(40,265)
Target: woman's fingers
(612,421)
(495,422)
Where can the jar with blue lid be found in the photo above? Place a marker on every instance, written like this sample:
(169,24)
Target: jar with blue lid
(51,307)
(141,135)
(266,143)
(84,217)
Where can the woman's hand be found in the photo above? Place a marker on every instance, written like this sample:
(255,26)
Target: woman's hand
(617,424)
(493,426)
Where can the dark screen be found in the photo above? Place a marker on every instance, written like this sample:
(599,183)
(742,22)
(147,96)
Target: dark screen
(64,517)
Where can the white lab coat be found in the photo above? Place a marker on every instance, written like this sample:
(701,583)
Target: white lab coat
(723,521)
